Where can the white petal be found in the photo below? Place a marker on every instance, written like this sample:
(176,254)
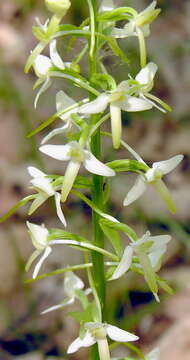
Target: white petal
(58,208)
(159,241)
(147,74)
(156,256)
(106,5)
(34,172)
(42,65)
(43,88)
(116,125)
(168,165)
(96,106)
(59,152)
(123,86)
(72,283)
(136,191)
(93,165)
(69,178)
(88,340)
(63,101)
(55,57)
(37,202)
(59,306)
(124,264)
(37,268)
(132,103)
(55,132)
(38,234)
(43,184)
(120,335)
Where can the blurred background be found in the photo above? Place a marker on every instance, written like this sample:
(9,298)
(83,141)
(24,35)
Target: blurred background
(24,333)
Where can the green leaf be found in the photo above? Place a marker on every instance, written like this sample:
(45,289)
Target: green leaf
(114,238)
(105,81)
(128,165)
(82,182)
(83,316)
(16,207)
(120,227)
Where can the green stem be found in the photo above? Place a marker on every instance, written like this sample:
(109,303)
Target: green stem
(98,238)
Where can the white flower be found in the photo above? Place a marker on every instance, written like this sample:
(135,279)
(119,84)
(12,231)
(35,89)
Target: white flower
(72,283)
(149,250)
(145,80)
(43,185)
(63,101)
(39,236)
(138,22)
(42,66)
(97,332)
(76,155)
(118,100)
(153,176)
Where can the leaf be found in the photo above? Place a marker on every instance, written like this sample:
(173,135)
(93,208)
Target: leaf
(83,316)
(120,227)
(82,297)
(105,81)
(128,165)
(114,238)
(115,14)
(16,207)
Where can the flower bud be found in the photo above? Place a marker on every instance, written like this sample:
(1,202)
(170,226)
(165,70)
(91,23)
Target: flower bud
(58,7)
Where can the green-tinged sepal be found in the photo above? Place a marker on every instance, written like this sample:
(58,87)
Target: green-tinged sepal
(105,81)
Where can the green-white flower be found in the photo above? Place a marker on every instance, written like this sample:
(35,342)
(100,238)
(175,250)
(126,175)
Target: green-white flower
(76,156)
(143,84)
(43,185)
(141,21)
(154,176)
(118,100)
(42,67)
(63,101)
(72,283)
(149,250)
(97,333)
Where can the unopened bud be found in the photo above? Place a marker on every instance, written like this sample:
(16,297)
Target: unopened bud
(58,7)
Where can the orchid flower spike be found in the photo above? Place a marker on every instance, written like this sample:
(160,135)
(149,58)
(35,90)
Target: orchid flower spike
(149,250)
(43,185)
(97,333)
(72,283)
(76,155)
(139,22)
(145,82)
(154,176)
(42,67)
(39,236)
(118,100)
(63,101)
